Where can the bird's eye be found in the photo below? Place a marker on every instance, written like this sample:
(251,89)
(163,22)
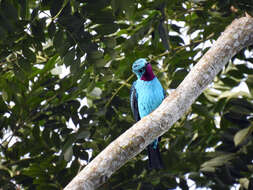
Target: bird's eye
(141,70)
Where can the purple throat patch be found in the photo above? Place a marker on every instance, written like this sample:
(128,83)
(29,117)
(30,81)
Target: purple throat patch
(148,75)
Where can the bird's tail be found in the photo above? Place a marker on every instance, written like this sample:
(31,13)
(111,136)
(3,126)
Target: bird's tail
(154,157)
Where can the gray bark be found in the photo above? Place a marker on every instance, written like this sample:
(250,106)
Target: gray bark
(238,34)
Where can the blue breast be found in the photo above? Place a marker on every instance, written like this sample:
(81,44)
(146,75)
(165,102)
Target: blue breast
(150,95)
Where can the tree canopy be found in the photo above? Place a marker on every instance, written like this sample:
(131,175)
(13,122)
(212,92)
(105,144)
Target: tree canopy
(98,40)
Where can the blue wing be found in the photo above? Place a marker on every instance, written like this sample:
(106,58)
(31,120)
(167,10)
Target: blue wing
(134,103)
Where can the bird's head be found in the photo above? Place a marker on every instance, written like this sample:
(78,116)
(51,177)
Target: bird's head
(139,67)
(143,69)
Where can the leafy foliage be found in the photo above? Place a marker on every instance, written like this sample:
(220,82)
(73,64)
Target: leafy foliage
(98,41)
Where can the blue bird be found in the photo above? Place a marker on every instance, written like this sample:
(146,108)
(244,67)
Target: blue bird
(146,95)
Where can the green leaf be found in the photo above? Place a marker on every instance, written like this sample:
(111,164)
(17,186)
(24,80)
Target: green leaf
(19,73)
(176,40)
(244,182)
(82,134)
(9,10)
(229,94)
(235,73)
(83,155)
(68,144)
(75,67)
(49,65)
(51,29)
(5,172)
(61,43)
(178,77)
(244,69)
(105,29)
(29,54)
(69,57)
(4,95)
(58,39)
(56,140)
(218,161)
(36,132)
(68,154)
(242,135)
(115,6)
(249,82)
(46,135)
(229,82)
(128,6)
(104,17)
(208,169)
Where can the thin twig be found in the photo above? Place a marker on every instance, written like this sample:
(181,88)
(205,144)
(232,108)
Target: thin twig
(10,136)
(59,12)
(117,91)
(183,47)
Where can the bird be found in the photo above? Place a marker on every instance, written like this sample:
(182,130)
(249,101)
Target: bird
(146,94)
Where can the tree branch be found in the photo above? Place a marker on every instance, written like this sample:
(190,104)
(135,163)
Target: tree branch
(117,91)
(237,36)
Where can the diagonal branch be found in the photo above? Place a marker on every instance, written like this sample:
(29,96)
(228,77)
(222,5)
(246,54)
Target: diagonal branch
(237,36)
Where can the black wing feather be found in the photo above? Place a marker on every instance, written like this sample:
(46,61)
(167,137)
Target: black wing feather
(134,103)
